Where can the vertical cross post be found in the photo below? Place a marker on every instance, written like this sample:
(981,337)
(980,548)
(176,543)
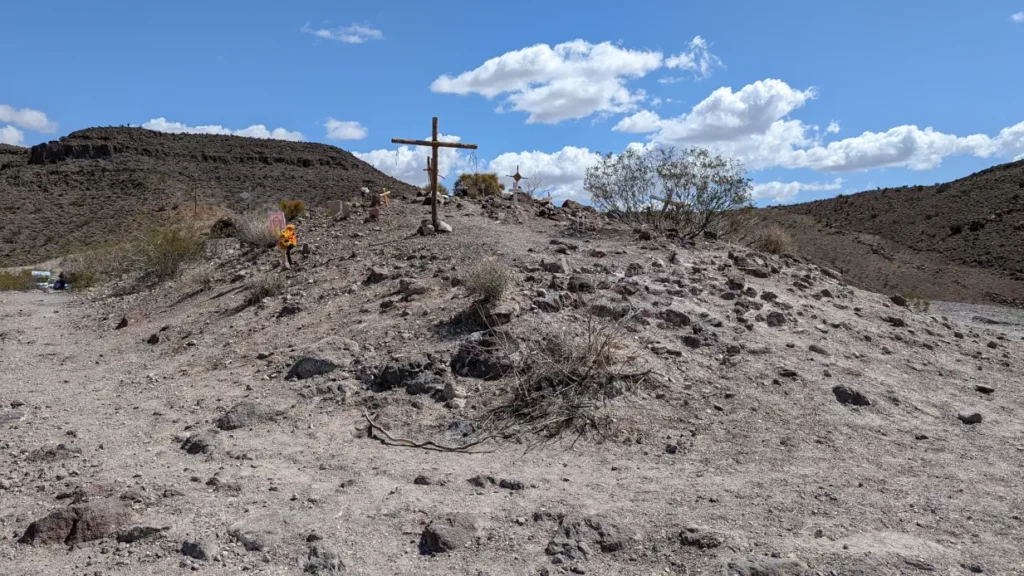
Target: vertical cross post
(434,144)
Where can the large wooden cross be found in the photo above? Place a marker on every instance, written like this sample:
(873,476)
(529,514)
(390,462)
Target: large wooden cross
(434,143)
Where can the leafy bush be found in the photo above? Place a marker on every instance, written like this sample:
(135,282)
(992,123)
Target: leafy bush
(263,286)
(293,208)
(159,253)
(489,280)
(478,184)
(689,190)
(253,228)
(773,240)
(917,303)
(16,281)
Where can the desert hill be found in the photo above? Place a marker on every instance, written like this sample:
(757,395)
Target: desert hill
(741,413)
(76,192)
(961,240)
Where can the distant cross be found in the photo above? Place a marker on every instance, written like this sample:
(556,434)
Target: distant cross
(385,197)
(427,169)
(516,178)
(434,144)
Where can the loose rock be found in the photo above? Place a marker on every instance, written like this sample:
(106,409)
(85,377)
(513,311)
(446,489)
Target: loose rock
(847,395)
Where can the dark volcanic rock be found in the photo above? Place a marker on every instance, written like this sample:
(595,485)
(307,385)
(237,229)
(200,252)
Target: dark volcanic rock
(308,367)
(450,532)
(77,524)
(201,442)
(198,549)
(323,559)
(136,533)
(847,395)
(481,356)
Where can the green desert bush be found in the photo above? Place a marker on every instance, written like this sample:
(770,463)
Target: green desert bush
(293,208)
(476,184)
(16,280)
(159,253)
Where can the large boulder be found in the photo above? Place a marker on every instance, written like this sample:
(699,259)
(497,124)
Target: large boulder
(309,366)
(245,414)
(449,532)
(77,524)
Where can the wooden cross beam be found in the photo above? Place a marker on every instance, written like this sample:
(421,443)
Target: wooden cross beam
(434,144)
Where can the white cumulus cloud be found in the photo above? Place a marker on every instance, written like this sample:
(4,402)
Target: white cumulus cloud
(255,131)
(643,122)
(561,173)
(27,118)
(754,125)
(698,59)
(407,163)
(354,34)
(11,135)
(785,191)
(1018,17)
(342,130)
(568,81)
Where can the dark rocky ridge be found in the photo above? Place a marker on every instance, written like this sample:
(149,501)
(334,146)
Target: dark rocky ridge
(70,194)
(954,241)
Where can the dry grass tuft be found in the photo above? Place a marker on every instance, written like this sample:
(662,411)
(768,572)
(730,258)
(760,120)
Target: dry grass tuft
(16,280)
(253,228)
(264,285)
(567,382)
(292,209)
(773,240)
(489,280)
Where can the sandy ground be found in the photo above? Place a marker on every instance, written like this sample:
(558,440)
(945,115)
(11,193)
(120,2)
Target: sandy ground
(728,463)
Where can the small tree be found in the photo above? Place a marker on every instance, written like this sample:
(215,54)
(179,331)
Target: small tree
(623,183)
(534,188)
(700,187)
(689,189)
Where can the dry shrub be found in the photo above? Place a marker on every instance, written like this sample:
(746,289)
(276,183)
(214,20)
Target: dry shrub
(566,383)
(253,228)
(773,240)
(476,184)
(264,285)
(90,268)
(159,253)
(489,280)
(917,303)
(16,280)
(293,208)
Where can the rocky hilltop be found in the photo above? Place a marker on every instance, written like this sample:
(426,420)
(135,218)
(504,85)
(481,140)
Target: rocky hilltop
(960,240)
(70,194)
(625,405)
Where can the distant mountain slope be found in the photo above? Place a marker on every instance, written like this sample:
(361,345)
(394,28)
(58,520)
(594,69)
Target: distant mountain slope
(963,240)
(98,183)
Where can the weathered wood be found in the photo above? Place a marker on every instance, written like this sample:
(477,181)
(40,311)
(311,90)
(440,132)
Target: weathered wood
(434,144)
(429,143)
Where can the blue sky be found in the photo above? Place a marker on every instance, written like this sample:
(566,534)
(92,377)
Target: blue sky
(817,98)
